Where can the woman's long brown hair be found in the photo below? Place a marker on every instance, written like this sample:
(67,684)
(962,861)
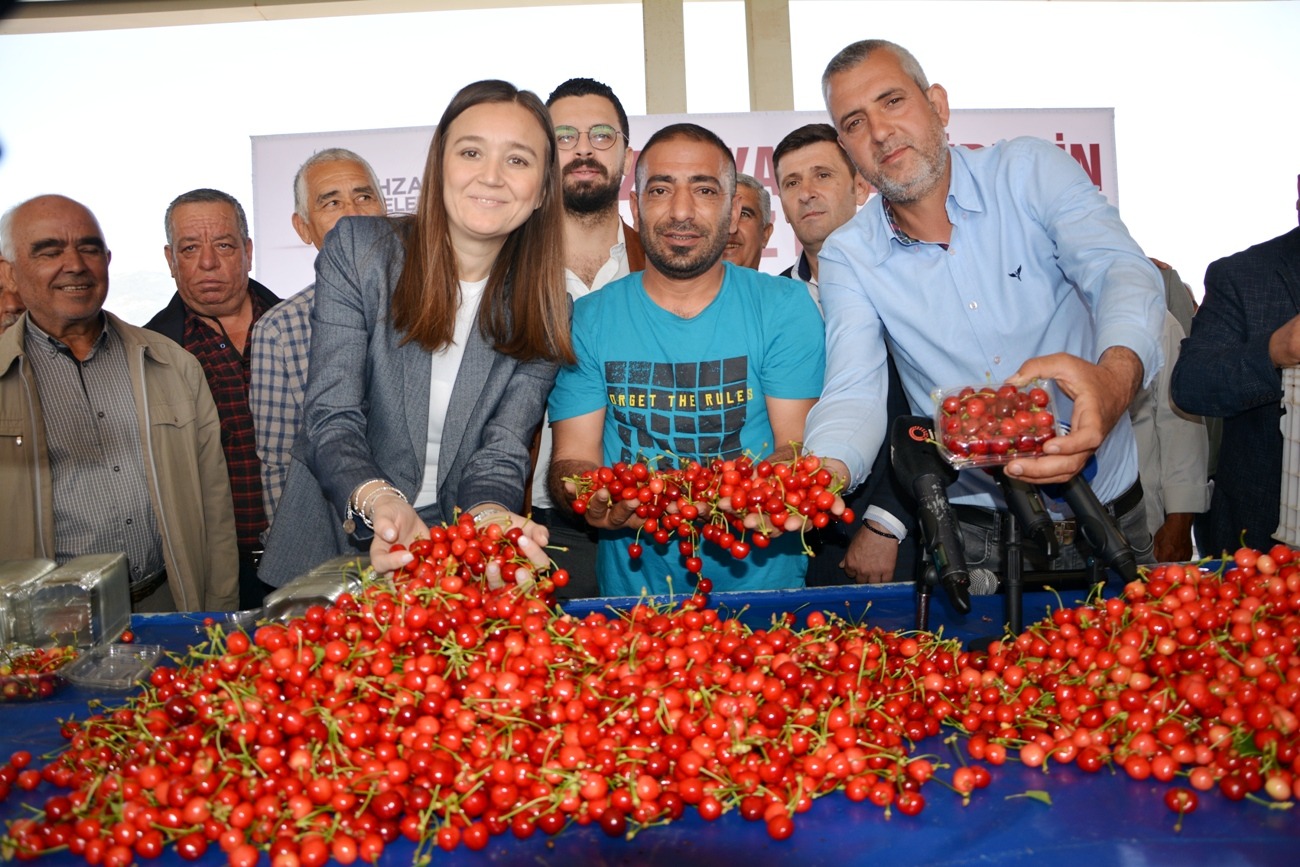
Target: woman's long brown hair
(525,308)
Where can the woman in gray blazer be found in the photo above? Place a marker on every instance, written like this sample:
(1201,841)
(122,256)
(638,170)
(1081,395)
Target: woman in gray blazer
(436,340)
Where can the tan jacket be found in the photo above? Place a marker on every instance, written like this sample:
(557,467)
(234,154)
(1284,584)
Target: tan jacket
(183,463)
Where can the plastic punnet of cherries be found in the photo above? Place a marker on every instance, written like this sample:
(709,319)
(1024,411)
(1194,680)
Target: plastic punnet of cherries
(986,426)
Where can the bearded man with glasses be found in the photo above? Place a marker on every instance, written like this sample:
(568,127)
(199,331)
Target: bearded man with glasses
(591,136)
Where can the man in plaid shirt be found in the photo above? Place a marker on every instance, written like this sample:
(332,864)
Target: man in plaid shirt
(211,315)
(330,185)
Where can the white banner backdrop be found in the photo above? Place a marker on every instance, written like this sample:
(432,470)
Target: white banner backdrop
(282,262)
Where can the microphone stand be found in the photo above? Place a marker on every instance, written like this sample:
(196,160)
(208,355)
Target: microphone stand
(1013,567)
(1024,499)
(926,580)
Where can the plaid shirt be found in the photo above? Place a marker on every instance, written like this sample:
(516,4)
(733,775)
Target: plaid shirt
(280,343)
(227,373)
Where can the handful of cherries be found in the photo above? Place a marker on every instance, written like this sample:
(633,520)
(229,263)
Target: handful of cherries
(711,502)
(988,426)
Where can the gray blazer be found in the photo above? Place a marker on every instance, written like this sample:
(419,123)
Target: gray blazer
(367,409)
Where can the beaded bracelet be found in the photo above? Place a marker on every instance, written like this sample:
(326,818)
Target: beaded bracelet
(884,533)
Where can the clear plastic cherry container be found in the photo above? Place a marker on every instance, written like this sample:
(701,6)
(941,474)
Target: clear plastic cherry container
(986,426)
(27,673)
(17,577)
(114,666)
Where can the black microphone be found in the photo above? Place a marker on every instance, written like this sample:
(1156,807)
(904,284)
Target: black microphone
(1098,529)
(927,475)
(1025,503)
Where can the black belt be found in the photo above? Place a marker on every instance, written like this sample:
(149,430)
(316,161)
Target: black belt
(142,590)
(250,557)
(1127,501)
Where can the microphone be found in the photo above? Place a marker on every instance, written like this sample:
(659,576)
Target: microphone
(1098,528)
(1025,503)
(983,582)
(927,475)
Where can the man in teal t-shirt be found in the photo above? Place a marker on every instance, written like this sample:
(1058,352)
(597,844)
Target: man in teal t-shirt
(691,359)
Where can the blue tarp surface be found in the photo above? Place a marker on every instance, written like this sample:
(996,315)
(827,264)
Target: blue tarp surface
(1094,820)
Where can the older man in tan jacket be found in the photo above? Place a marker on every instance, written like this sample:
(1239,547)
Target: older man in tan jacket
(109,437)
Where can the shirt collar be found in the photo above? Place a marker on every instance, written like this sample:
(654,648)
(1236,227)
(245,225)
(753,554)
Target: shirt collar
(963,191)
(802,268)
(577,288)
(963,195)
(895,230)
(38,339)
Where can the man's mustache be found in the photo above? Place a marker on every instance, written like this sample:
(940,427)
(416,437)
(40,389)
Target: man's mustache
(585,163)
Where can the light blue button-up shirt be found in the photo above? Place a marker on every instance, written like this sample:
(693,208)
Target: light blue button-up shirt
(1038,263)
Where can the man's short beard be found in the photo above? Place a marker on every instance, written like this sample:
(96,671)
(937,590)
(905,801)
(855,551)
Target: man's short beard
(934,160)
(912,190)
(592,200)
(657,250)
(593,197)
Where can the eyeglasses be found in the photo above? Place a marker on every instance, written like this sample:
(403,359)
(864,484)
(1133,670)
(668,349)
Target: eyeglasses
(602,137)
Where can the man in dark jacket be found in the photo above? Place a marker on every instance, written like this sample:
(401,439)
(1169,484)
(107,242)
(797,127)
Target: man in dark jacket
(1245,333)
(212,314)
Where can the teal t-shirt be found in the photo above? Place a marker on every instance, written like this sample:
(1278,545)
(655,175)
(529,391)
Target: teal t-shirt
(677,389)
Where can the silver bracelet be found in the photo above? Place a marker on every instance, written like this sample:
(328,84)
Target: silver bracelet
(364,510)
(488,515)
(367,510)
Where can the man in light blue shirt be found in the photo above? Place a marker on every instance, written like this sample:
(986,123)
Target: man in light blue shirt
(978,266)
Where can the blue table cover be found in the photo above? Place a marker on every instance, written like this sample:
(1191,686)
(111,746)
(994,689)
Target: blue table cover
(1093,819)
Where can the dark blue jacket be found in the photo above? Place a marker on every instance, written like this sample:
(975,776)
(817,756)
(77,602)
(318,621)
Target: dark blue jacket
(1225,372)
